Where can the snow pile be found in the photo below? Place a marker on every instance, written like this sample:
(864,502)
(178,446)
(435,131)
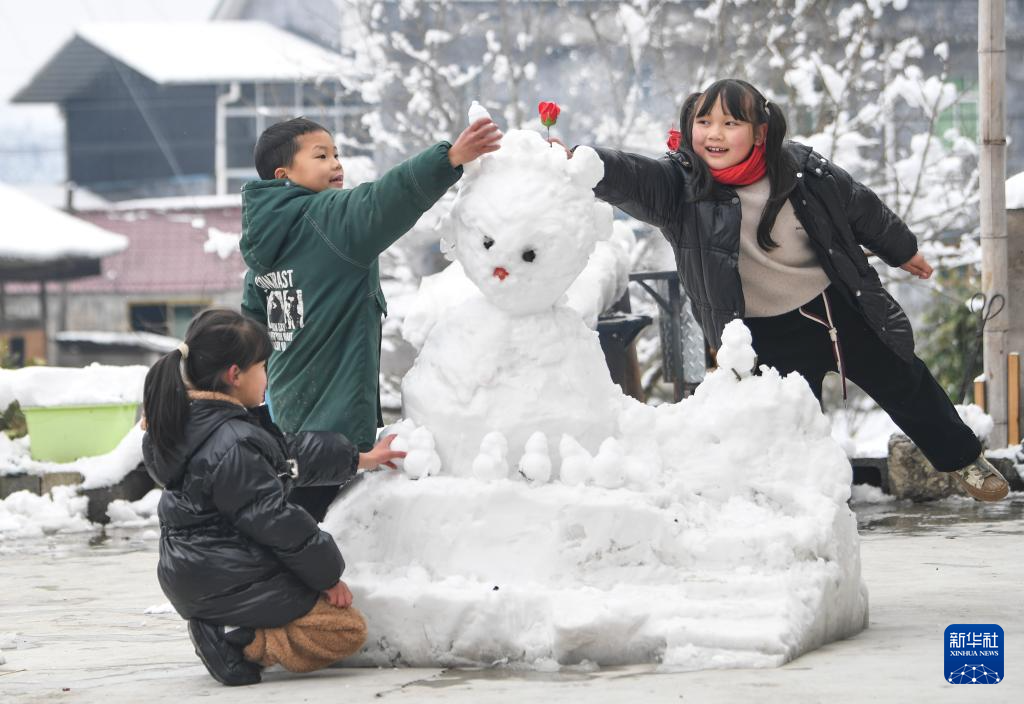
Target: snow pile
(553,520)
(26,515)
(135,514)
(739,551)
(67,386)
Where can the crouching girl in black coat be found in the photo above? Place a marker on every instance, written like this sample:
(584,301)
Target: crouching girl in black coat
(233,551)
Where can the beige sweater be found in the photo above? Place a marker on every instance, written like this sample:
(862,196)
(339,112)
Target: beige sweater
(784,278)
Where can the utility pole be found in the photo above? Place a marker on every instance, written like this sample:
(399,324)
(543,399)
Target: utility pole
(994,249)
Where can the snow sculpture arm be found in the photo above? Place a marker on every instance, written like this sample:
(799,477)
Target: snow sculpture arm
(641,187)
(361,223)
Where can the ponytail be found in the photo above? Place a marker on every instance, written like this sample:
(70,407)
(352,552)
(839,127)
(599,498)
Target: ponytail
(781,176)
(742,100)
(215,340)
(165,401)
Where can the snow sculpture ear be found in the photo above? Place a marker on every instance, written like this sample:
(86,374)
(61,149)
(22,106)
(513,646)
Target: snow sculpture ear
(585,168)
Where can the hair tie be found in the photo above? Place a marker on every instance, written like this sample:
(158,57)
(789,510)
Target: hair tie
(766,104)
(182,370)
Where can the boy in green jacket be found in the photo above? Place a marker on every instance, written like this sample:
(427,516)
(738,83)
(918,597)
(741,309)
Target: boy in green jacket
(313,277)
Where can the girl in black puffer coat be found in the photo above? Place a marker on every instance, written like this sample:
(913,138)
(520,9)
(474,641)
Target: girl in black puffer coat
(770,232)
(233,550)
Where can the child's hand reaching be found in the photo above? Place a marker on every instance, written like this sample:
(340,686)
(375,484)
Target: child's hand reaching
(918,266)
(339,595)
(381,454)
(481,137)
(556,140)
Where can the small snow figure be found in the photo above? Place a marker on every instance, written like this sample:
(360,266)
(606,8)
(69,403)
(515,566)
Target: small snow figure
(492,462)
(736,352)
(422,459)
(403,429)
(609,465)
(477,112)
(535,464)
(576,461)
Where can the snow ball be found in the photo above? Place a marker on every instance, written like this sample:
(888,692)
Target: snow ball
(576,462)
(422,459)
(491,464)
(477,112)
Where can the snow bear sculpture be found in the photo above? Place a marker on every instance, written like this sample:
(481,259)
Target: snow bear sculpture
(518,361)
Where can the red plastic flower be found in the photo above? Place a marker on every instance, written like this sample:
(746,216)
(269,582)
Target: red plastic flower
(548,113)
(675,138)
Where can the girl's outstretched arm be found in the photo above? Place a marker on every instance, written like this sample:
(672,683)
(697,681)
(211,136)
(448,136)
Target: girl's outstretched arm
(639,186)
(874,225)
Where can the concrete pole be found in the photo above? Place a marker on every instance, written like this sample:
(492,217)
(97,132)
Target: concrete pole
(994,274)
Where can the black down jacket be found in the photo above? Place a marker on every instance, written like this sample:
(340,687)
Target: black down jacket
(233,551)
(838,214)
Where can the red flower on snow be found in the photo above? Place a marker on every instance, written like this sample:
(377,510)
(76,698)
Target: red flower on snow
(675,138)
(548,113)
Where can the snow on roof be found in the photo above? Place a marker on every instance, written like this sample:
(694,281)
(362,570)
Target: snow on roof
(229,200)
(33,232)
(1015,192)
(144,340)
(212,52)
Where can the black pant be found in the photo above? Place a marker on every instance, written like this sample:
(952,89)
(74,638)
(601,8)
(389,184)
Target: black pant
(905,390)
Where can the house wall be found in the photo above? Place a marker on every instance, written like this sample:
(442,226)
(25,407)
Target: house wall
(109,312)
(127,135)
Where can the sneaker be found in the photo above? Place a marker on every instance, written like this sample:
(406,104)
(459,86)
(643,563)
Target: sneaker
(982,481)
(223,660)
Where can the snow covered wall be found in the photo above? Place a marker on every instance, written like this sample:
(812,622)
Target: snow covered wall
(556,521)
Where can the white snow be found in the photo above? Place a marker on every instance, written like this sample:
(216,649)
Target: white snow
(157,609)
(36,233)
(27,515)
(218,52)
(72,386)
(710,533)
(976,419)
(134,514)
(145,340)
(1015,192)
(223,244)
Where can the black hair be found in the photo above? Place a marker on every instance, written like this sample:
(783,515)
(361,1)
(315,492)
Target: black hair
(744,102)
(217,339)
(278,144)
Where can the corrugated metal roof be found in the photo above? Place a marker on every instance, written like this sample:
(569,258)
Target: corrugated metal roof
(181,53)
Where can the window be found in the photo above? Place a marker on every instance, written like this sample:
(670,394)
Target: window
(163,318)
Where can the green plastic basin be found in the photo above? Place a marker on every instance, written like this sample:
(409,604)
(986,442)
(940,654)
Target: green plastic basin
(66,433)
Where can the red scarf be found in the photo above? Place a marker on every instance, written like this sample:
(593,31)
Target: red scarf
(748,171)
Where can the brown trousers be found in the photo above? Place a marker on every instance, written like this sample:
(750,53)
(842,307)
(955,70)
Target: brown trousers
(322,637)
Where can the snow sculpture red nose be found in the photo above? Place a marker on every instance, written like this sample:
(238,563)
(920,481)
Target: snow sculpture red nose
(501,272)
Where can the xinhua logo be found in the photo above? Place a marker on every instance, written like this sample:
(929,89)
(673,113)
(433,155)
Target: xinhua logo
(974,653)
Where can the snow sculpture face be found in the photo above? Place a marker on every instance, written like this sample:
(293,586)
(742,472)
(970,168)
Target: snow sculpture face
(526,221)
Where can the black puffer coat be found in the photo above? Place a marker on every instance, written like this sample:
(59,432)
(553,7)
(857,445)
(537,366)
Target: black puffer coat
(838,214)
(233,551)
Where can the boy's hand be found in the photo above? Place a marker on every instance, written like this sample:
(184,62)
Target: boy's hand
(556,140)
(339,595)
(481,137)
(918,266)
(381,454)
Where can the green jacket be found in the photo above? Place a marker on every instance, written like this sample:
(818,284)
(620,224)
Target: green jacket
(314,280)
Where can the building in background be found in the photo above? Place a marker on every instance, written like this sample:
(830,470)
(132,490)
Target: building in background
(166,109)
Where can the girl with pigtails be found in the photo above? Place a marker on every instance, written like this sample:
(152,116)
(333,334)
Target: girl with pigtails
(767,230)
(257,579)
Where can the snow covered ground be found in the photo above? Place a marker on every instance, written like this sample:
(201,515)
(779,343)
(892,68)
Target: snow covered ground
(74,627)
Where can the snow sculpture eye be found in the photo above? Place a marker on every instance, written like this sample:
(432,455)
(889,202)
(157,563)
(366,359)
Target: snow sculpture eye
(529,255)
(488,243)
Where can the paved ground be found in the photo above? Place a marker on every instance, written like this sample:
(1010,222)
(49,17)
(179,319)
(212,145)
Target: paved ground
(76,606)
